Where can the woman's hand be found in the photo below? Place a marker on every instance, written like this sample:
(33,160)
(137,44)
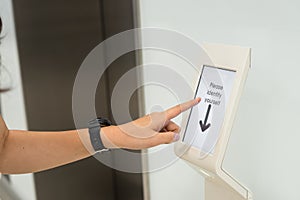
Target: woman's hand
(148,131)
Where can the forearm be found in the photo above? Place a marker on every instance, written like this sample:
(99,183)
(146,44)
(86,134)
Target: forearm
(26,151)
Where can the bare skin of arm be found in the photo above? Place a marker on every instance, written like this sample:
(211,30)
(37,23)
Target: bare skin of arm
(28,151)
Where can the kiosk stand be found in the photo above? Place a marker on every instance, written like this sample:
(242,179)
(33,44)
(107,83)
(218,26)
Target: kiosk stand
(204,141)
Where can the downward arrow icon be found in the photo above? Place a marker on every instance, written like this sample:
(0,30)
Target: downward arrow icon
(205,126)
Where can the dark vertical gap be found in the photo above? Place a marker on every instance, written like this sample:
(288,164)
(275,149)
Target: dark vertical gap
(104,35)
(101,5)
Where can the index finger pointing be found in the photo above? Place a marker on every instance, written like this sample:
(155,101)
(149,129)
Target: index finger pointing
(176,110)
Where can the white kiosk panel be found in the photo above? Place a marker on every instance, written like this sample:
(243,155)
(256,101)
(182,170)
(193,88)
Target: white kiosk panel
(208,127)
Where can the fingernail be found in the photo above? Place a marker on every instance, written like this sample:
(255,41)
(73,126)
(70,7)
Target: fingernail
(198,99)
(176,137)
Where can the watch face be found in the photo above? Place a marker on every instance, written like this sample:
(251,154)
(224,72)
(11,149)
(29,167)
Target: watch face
(103,122)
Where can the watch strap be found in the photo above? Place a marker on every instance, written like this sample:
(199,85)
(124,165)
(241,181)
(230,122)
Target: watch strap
(94,132)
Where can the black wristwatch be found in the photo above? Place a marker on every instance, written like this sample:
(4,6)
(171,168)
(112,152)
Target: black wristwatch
(94,132)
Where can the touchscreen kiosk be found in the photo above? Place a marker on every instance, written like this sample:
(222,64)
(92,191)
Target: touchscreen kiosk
(214,87)
(207,128)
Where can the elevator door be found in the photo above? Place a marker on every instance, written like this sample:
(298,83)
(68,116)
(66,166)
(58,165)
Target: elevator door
(53,39)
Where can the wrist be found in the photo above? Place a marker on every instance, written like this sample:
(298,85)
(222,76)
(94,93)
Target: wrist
(108,135)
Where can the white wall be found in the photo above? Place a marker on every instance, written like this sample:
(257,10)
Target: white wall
(264,147)
(12,102)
